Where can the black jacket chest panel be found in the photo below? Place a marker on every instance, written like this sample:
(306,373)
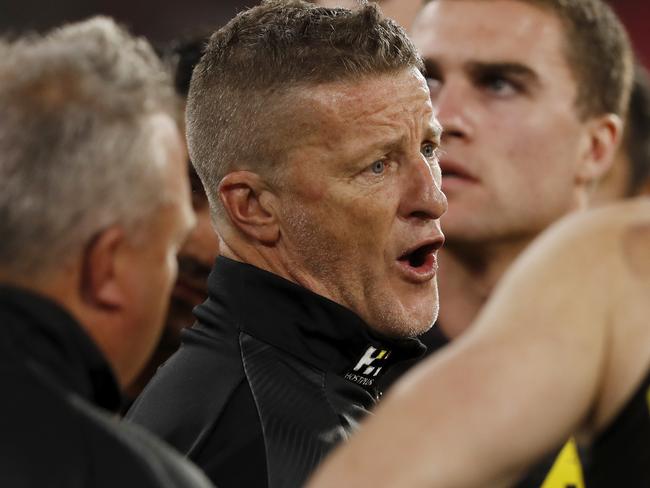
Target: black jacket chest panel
(299,423)
(257,395)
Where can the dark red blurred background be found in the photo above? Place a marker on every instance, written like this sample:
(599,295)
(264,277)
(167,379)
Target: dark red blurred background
(162,21)
(635,15)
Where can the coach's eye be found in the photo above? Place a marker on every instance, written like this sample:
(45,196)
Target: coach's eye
(378,167)
(428,150)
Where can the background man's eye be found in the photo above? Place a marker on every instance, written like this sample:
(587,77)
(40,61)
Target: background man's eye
(378,167)
(434,85)
(500,86)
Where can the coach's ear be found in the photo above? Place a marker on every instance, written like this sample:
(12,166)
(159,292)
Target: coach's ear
(248,202)
(601,141)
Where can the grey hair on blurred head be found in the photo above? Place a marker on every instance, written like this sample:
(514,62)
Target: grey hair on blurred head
(76,154)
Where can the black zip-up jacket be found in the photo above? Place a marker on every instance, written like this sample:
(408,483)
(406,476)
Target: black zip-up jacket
(267,381)
(55,426)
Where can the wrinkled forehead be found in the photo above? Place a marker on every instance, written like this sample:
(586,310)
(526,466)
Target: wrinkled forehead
(342,123)
(369,93)
(375,101)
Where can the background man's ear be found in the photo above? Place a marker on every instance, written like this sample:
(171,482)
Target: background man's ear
(100,277)
(602,140)
(249,204)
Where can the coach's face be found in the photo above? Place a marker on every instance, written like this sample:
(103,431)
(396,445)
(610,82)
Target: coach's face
(362,199)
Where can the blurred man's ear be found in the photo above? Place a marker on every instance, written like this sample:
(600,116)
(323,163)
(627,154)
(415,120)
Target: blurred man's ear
(601,142)
(100,273)
(249,204)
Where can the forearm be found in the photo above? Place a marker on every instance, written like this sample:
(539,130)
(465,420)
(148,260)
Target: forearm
(450,424)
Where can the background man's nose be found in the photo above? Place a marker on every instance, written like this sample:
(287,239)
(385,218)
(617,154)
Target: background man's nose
(452,105)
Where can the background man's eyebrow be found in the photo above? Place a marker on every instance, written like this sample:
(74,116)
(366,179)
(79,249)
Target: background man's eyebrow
(518,70)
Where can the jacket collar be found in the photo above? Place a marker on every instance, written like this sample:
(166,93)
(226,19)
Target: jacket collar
(50,341)
(319,331)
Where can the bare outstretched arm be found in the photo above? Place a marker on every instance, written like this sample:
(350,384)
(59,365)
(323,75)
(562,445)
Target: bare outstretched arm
(529,373)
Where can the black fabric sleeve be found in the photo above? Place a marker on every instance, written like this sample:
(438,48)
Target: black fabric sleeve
(234,454)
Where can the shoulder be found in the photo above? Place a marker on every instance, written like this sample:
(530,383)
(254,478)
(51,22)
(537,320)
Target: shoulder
(233,452)
(190,392)
(73,443)
(598,229)
(588,244)
(142,459)
(201,403)
(38,425)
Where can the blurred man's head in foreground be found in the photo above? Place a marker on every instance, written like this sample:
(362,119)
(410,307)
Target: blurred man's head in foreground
(94,198)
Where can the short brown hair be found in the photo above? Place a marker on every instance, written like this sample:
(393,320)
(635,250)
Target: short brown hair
(598,52)
(636,138)
(241,91)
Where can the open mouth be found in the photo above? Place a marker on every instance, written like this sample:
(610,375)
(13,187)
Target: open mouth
(420,259)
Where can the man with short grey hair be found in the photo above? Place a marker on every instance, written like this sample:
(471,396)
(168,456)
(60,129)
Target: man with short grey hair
(94,203)
(312,131)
